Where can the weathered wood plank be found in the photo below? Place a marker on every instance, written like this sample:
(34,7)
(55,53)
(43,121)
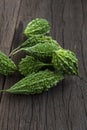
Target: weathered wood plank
(8,17)
(24,119)
(65,106)
(73,37)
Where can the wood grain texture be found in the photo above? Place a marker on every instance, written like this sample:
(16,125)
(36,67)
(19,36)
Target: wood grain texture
(64,107)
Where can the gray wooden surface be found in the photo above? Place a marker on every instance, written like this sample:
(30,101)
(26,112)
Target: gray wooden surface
(64,107)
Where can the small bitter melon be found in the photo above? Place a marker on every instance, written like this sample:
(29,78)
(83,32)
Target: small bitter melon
(36,83)
(29,65)
(33,40)
(37,26)
(42,52)
(65,61)
(7,66)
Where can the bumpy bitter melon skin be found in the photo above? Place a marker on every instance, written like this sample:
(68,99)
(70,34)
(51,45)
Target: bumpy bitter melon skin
(36,83)
(37,26)
(29,65)
(33,40)
(65,61)
(42,52)
(36,39)
(7,66)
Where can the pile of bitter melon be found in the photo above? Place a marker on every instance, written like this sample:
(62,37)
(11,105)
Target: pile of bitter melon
(46,62)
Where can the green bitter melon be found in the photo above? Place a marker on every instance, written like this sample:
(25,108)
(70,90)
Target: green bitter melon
(33,40)
(37,26)
(29,65)
(42,52)
(36,83)
(7,66)
(65,61)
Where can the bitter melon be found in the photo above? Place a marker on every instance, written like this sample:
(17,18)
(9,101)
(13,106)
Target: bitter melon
(29,65)
(36,83)
(42,52)
(37,26)
(7,66)
(33,40)
(65,61)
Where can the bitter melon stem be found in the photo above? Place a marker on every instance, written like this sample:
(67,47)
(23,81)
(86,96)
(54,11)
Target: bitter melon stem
(13,51)
(3,90)
(16,51)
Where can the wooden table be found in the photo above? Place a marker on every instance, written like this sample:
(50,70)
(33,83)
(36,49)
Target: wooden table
(65,106)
